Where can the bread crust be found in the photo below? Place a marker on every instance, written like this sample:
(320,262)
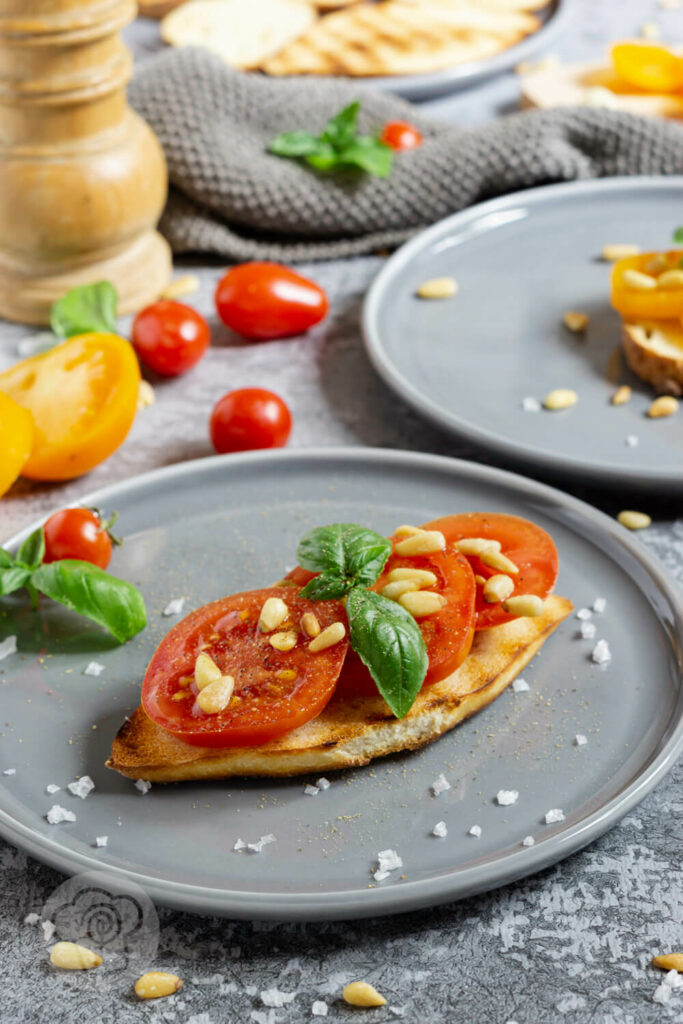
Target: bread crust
(654,350)
(348,733)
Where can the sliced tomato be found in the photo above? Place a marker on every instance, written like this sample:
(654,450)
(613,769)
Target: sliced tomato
(267,701)
(527,545)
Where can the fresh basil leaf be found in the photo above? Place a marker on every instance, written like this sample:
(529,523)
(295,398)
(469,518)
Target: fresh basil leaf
(322,548)
(32,551)
(326,587)
(294,144)
(13,578)
(324,159)
(340,130)
(6,560)
(90,307)
(389,643)
(82,587)
(347,549)
(678,236)
(369,155)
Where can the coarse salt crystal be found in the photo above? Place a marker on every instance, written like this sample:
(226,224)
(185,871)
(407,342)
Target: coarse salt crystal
(528,841)
(599,605)
(101,840)
(440,830)
(240,845)
(52,788)
(10,771)
(554,816)
(49,928)
(57,814)
(580,740)
(93,668)
(440,785)
(32,919)
(601,653)
(475,831)
(398,1011)
(8,646)
(260,843)
(671,981)
(531,404)
(587,630)
(584,613)
(311,790)
(323,783)
(174,607)
(505,797)
(520,686)
(143,786)
(81,787)
(388,860)
(319,1008)
(631,441)
(273,997)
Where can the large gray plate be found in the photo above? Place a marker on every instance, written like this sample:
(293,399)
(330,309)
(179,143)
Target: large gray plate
(206,528)
(521,262)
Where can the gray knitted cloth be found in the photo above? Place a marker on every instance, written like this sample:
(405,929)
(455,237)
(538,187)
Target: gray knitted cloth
(230,197)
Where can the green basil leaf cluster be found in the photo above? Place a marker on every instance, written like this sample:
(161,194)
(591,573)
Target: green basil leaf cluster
(339,145)
(349,558)
(84,588)
(87,308)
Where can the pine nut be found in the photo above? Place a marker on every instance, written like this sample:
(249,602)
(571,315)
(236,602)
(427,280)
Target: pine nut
(560,398)
(424,543)
(421,603)
(328,638)
(205,671)
(576,322)
(498,588)
(672,279)
(477,545)
(438,288)
(497,560)
(360,993)
(184,285)
(215,697)
(423,576)
(669,961)
(181,695)
(72,957)
(273,614)
(285,641)
(310,624)
(666,405)
(393,591)
(650,30)
(657,264)
(480,580)
(407,531)
(146,396)
(622,395)
(527,605)
(155,984)
(287,675)
(634,520)
(639,281)
(619,251)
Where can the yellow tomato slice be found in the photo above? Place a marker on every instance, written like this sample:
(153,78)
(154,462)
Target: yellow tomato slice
(659,303)
(83,396)
(647,66)
(16,440)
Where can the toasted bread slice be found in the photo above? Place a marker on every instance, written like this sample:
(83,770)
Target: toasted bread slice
(157,8)
(572,85)
(654,350)
(347,733)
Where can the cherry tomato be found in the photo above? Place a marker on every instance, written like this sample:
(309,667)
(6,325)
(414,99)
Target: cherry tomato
(249,418)
(401,135)
(263,301)
(524,543)
(170,337)
(275,691)
(77,533)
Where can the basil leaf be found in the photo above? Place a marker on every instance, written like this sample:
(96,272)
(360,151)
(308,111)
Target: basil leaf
(294,144)
(32,551)
(340,130)
(90,307)
(82,587)
(369,155)
(6,560)
(678,235)
(324,159)
(13,578)
(389,643)
(326,587)
(365,553)
(347,549)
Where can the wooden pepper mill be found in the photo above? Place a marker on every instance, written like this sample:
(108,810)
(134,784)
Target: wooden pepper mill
(82,178)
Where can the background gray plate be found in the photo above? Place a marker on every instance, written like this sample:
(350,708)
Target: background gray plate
(521,262)
(203,529)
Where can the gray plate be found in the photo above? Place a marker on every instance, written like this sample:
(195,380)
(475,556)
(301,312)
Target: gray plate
(521,262)
(203,529)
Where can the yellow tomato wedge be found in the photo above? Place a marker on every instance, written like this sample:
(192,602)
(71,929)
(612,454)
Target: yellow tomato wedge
(16,440)
(658,297)
(647,66)
(83,396)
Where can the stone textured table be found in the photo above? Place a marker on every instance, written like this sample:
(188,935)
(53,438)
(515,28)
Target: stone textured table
(572,944)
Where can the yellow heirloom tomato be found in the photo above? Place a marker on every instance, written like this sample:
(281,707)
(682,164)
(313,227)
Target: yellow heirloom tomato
(83,397)
(648,286)
(648,66)
(16,440)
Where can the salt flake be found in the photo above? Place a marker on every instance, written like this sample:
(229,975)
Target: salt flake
(323,783)
(475,831)
(81,787)
(528,841)
(388,861)
(93,668)
(319,1008)
(49,928)
(8,646)
(580,740)
(143,786)
(174,607)
(101,840)
(601,653)
(587,630)
(505,797)
(57,814)
(531,404)
(584,613)
(311,790)
(599,605)
(554,815)
(273,997)
(440,830)
(52,788)
(440,785)
(520,686)
(260,843)
(240,845)
(32,919)
(10,771)
(631,441)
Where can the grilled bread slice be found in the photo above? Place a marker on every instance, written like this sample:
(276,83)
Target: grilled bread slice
(654,350)
(347,733)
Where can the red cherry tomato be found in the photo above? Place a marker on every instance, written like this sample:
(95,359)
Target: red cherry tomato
(275,692)
(170,337)
(401,135)
(249,418)
(263,301)
(77,533)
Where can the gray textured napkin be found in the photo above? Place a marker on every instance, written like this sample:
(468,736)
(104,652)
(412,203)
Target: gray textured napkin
(230,197)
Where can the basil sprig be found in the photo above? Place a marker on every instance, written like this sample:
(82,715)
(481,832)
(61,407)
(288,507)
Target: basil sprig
(349,558)
(80,586)
(339,145)
(85,309)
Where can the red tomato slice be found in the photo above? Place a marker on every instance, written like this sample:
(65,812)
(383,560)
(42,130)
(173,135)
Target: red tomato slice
(527,545)
(265,703)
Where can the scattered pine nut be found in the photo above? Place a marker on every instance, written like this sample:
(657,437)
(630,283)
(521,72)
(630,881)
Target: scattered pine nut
(576,322)
(146,396)
(284,641)
(424,577)
(360,993)
(622,395)
(527,605)
(407,531)
(184,285)
(287,675)
(669,961)
(438,288)
(215,697)
(205,671)
(619,251)
(273,614)
(310,624)
(328,638)
(421,603)
(424,543)
(665,405)
(498,588)
(155,984)
(634,520)
(650,30)
(638,280)
(477,545)
(393,590)
(560,398)
(72,957)
(480,580)
(671,280)
(497,560)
